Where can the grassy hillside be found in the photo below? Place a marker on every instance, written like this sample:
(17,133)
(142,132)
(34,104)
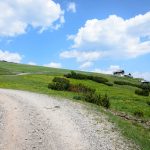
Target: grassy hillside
(22,68)
(4,71)
(122,97)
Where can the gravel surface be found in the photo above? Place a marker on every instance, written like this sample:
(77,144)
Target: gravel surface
(30,121)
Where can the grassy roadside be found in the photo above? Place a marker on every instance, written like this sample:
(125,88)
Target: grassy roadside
(137,133)
(128,129)
(122,98)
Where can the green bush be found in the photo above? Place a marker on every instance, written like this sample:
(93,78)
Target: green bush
(93,98)
(109,84)
(105,102)
(75,75)
(142,92)
(98,79)
(98,99)
(61,80)
(126,83)
(80,76)
(80,88)
(145,86)
(60,84)
(138,113)
(88,93)
(148,102)
(77,97)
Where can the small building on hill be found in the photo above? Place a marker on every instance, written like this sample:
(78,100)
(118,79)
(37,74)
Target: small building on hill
(119,73)
(128,75)
(145,82)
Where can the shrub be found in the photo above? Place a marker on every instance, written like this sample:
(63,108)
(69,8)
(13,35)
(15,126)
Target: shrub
(148,102)
(109,84)
(93,98)
(90,77)
(61,80)
(80,76)
(99,79)
(126,83)
(80,88)
(138,113)
(75,75)
(89,94)
(77,97)
(142,92)
(145,87)
(105,102)
(60,84)
(98,99)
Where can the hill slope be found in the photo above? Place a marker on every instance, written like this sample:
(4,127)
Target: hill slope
(4,71)
(23,68)
(122,97)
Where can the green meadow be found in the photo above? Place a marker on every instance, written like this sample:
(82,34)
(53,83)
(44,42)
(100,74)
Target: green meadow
(122,97)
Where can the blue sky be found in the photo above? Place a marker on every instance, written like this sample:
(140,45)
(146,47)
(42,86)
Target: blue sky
(99,35)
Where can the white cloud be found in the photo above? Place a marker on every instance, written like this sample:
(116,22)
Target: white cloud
(17,15)
(85,58)
(86,65)
(144,75)
(82,56)
(10,57)
(70,37)
(109,70)
(71,7)
(116,36)
(53,65)
(32,63)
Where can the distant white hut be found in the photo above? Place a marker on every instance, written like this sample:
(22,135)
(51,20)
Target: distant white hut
(128,75)
(145,82)
(119,73)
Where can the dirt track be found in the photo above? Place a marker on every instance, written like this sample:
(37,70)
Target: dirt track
(31,121)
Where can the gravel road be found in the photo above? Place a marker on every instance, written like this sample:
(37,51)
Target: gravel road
(30,121)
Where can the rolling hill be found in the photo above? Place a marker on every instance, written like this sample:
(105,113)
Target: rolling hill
(124,102)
